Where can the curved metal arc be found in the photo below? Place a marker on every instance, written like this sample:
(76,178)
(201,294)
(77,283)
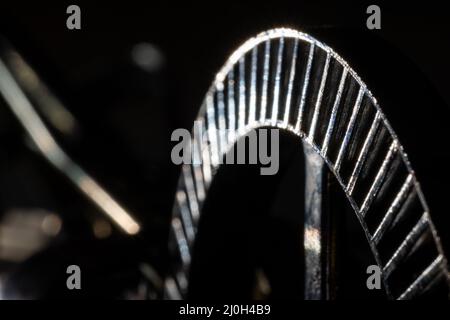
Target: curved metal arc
(248,46)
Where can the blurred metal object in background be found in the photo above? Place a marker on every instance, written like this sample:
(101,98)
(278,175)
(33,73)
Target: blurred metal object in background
(43,139)
(30,233)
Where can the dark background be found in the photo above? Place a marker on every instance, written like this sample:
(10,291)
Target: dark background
(126,114)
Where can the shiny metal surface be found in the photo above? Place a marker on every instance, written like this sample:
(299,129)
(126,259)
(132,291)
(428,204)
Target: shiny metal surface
(331,121)
(313,234)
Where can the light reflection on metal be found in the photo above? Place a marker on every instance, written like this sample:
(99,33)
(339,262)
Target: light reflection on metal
(262,288)
(378,179)
(22,108)
(241,95)
(314,171)
(305,86)
(186,216)
(312,129)
(152,275)
(331,124)
(265,85)
(25,231)
(291,84)
(49,105)
(423,281)
(394,207)
(276,89)
(252,102)
(363,154)
(308,115)
(411,240)
(171,291)
(51,225)
(349,130)
(147,56)
(182,243)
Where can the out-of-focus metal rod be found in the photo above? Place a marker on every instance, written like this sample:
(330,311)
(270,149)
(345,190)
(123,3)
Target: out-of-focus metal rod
(42,97)
(21,106)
